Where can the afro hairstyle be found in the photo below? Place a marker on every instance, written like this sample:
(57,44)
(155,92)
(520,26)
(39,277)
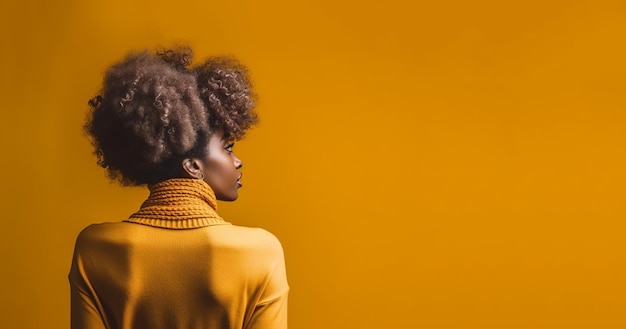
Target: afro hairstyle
(147,117)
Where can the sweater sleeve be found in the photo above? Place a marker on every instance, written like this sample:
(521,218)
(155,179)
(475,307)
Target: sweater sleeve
(271,310)
(84,311)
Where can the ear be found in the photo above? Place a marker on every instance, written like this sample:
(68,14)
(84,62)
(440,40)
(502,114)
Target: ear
(193,168)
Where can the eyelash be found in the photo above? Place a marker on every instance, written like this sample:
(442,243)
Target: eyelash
(229,148)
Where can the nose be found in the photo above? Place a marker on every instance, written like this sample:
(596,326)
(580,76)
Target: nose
(238,163)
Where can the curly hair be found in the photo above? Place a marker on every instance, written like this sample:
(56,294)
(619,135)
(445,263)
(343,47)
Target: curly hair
(226,89)
(147,117)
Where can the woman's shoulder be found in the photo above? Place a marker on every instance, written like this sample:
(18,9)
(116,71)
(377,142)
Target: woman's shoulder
(255,251)
(100,230)
(106,234)
(249,238)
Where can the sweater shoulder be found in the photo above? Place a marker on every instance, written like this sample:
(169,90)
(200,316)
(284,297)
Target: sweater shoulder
(249,239)
(103,232)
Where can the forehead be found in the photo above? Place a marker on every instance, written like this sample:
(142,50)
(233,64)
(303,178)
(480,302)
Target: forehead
(217,140)
(219,134)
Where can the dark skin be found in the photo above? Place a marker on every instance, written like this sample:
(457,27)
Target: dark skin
(219,169)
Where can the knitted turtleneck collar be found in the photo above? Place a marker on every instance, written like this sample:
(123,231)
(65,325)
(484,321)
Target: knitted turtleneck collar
(179,203)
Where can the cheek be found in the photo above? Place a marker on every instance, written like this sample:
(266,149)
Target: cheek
(221,167)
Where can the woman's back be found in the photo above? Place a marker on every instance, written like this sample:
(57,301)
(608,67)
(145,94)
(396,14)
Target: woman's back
(152,273)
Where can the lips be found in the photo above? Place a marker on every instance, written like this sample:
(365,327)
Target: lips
(239,184)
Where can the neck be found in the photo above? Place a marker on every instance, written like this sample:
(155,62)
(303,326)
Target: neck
(179,203)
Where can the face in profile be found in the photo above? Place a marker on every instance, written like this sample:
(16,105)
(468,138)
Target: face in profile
(221,168)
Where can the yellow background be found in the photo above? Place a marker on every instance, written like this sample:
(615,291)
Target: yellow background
(426,164)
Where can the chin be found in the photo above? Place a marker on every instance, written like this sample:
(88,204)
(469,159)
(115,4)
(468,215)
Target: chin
(227,198)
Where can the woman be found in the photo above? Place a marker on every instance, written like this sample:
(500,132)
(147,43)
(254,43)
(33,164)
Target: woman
(175,263)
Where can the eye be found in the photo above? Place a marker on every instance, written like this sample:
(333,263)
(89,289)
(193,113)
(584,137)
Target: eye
(229,148)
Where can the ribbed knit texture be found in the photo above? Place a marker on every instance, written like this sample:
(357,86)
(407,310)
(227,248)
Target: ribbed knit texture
(179,203)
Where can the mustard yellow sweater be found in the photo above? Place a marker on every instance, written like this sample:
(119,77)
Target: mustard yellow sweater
(176,264)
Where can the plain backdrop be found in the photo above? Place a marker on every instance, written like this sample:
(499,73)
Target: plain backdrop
(426,164)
